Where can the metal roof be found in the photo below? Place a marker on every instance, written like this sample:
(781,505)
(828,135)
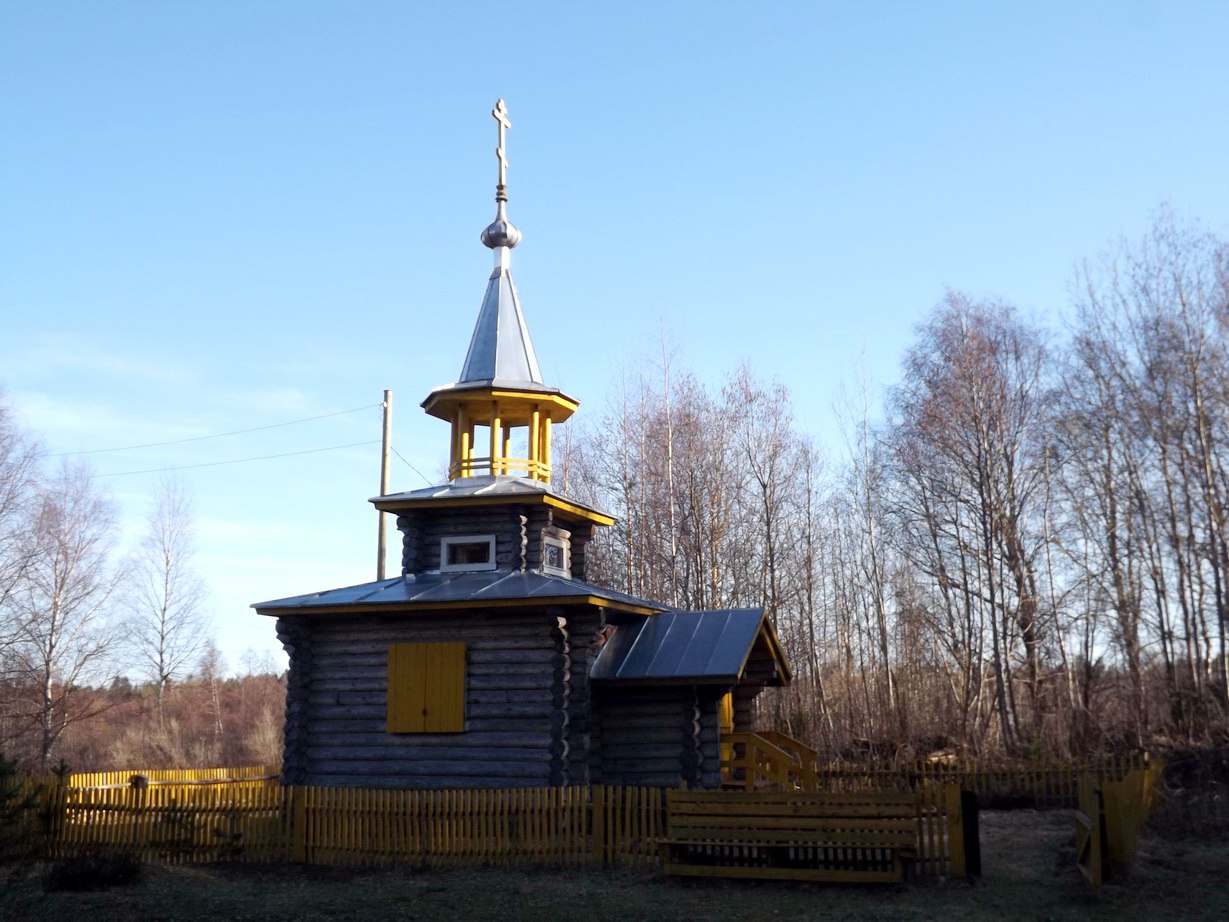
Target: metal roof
(500,351)
(465,487)
(449,590)
(692,646)
(484,489)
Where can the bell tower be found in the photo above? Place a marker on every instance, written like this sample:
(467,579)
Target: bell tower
(498,512)
(500,409)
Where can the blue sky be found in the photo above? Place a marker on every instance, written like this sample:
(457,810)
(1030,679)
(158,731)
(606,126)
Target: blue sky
(219,216)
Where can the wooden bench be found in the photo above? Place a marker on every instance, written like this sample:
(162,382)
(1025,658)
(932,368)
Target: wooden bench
(838,838)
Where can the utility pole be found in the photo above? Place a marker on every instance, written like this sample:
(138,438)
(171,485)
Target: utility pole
(384,449)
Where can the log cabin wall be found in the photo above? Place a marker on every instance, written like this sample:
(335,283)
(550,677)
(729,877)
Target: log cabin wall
(536,519)
(587,638)
(518,531)
(745,708)
(295,638)
(582,534)
(423,530)
(657,736)
(526,700)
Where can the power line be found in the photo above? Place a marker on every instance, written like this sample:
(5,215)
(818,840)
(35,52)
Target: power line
(218,435)
(413,468)
(288,454)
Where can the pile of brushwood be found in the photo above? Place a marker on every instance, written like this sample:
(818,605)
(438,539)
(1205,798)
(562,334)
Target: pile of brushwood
(1194,799)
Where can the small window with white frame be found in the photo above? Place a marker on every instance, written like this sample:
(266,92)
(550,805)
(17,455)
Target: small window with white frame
(556,556)
(467,552)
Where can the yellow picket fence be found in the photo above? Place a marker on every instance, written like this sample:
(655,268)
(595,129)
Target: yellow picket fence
(1038,783)
(941,845)
(178,823)
(768,759)
(572,827)
(245,815)
(260,775)
(563,827)
(169,822)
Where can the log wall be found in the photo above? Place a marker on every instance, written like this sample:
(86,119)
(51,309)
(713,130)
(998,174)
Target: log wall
(526,700)
(660,736)
(518,531)
(531,716)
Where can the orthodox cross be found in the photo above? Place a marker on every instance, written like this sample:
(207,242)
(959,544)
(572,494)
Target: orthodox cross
(500,112)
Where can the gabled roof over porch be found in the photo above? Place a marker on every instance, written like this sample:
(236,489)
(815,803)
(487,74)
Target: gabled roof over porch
(722,647)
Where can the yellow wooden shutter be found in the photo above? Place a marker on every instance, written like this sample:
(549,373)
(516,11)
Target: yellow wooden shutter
(444,708)
(426,688)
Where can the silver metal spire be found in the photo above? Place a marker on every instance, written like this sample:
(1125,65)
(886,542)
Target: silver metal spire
(500,350)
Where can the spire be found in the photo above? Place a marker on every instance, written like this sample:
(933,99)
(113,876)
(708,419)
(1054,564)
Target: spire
(500,389)
(500,350)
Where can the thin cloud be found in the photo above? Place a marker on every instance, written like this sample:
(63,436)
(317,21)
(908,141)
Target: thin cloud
(72,423)
(57,355)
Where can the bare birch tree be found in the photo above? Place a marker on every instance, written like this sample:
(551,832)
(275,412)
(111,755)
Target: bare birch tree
(165,595)
(62,605)
(968,437)
(18,481)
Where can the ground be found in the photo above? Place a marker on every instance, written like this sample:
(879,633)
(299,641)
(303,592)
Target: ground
(1028,857)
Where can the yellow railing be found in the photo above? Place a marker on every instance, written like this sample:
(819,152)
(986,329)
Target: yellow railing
(755,763)
(516,467)
(803,756)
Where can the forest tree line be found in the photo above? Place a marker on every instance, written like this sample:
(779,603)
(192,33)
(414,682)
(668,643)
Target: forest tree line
(1023,549)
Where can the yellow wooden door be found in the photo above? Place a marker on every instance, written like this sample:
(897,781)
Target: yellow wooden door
(725,724)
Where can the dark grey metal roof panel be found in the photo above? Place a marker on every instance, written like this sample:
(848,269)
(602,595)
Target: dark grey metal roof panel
(479,489)
(696,646)
(443,588)
(474,487)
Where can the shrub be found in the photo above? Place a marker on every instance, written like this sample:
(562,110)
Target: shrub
(92,871)
(18,836)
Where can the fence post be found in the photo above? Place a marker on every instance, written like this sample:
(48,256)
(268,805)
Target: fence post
(53,799)
(298,823)
(597,804)
(955,829)
(971,822)
(1118,848)
(1088,833)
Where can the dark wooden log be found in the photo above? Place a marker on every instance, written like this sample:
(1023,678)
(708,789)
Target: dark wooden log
(488,740)
(318,755)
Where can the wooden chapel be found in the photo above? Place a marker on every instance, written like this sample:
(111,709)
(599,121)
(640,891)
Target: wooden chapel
(490,661)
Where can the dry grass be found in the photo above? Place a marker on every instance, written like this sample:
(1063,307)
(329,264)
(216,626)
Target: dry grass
(1028,856)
